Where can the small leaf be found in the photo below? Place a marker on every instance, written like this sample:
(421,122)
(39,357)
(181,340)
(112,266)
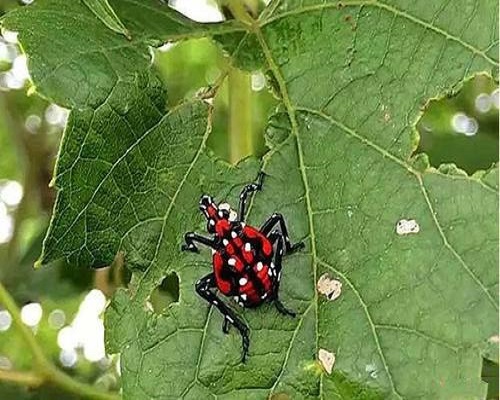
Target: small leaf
(106,14)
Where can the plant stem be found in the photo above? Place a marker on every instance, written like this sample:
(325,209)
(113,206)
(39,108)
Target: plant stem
(9,304)
(45,371)
(241,143)
(59,378)
(29,379)
(239,11)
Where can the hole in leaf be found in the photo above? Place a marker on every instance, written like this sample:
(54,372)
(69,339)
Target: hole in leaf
(188,66)
(462,128)
(110,278)
(242,103)
(489,374)
(242,107)
(166,293)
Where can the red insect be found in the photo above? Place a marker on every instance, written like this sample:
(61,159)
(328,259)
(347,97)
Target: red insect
(246,260)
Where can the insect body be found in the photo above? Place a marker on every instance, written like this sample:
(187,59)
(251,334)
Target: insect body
(246,260)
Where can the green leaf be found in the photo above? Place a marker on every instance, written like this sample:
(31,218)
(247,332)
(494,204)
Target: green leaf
(106,14)
(416,311)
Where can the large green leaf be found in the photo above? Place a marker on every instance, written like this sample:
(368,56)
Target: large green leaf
(416,310)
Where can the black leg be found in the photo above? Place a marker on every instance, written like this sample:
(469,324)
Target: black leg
(225,326)
(277,219)
(192,237)
(250,188)
(277,238)
(282,309)
(204,287)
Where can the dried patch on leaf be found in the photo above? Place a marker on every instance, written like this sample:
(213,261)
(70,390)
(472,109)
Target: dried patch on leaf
(327,360)
(407,226)
(331,288)
(494,339)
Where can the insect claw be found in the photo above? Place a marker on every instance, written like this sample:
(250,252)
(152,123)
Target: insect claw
(225,326)
(296,247)
(192,248)
(283,310)
(245,350)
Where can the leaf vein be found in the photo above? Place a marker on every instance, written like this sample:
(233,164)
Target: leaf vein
(370,322)
(393,10)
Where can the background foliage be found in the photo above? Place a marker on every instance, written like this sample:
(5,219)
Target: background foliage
(339,158)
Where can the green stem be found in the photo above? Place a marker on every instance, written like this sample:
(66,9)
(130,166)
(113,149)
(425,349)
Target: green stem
(239,11)
(64,381)
(45,371)
(29,379)
(25,332)
(241,143)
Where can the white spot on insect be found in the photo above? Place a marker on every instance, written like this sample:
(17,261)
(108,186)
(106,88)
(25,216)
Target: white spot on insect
(234,235)
(263,296)
(243,224)
(272,265)
(224,206)
(243,297)
(215,302)
(231,262)
(243,281)
(260,266)
(372,370)
(225,242)
(212,222)
(233,216)
(230,319)
(240,304)
(220,214)
(248,247)
(270,272)
(331,288)
(236,298)
(213,251)
(279,276)
(327,360)
(405,227)
(281,252)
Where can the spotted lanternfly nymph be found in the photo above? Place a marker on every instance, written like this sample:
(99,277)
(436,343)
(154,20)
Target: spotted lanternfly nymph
(246,260)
